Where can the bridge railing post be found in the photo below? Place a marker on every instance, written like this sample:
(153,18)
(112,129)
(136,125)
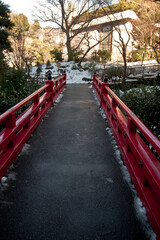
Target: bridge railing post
(49,90)
(10,124)
(94,79)
(104,84)
(36,102)
(64,79)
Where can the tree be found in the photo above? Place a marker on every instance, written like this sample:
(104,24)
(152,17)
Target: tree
(147,29)
(102,56)
(18,36)
(34,29)
(65,14)
(122,28)
(5,24)
(56,55)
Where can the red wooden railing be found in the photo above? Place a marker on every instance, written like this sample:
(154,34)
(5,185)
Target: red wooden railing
(142,164)
(18,129)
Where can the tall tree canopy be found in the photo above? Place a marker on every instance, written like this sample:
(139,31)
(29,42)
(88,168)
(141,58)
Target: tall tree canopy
(18,36)
(5,24)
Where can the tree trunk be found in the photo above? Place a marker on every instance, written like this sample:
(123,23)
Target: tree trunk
(156,53)
(125,66)
(69,49)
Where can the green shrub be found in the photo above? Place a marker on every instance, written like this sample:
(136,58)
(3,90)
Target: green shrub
(114,72)
(75,55)
(91,66)
(15,90)
(101,56)
(145,102)
(56,55)
(138,55)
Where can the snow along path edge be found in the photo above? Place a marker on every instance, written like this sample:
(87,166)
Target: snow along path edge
(139,208)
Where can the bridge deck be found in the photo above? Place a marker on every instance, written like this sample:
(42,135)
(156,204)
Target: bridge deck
(69,185)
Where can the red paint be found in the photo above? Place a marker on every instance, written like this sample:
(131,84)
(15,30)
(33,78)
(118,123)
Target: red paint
(142,164)
(18,129)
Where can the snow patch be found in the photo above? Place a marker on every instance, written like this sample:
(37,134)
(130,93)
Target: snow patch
(4,180)
(25,149)
(74,73)
(141,214)
(109,180)
(58,99)
(102,113)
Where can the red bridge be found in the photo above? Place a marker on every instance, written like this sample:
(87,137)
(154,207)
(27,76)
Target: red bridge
(69,185)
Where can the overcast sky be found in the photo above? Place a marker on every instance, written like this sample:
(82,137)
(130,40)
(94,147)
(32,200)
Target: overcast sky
(26,7)
(21,6)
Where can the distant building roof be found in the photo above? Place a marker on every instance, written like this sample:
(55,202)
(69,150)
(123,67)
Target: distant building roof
(118,16)
(111,9)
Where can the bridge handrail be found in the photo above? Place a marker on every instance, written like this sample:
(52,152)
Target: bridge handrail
(143,165)
(19,105)
(18,129)
(140,125)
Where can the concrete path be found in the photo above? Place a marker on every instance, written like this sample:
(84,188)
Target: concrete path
(68,184)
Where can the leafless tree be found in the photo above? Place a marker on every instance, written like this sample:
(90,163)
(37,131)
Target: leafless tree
(66,14)
(147,28)
(122,28)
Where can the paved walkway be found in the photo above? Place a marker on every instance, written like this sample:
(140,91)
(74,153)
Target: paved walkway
(69,185)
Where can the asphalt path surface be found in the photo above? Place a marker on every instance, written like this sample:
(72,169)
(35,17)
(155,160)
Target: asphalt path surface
(68,183)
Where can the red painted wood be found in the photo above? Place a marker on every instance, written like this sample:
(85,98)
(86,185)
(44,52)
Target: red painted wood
(142,164)
(18,129)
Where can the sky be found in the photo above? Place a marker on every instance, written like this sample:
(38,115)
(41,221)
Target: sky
(23,6)
(26,7)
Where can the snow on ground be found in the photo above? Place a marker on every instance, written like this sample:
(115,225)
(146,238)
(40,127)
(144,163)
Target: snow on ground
(26,149)
(10,175)
(140,210)
(74,74)
(78,75)
(58,99)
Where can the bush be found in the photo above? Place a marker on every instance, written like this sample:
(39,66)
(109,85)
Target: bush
(145,102)
(56,55)
(114,72)
(15,90)
(101,56)
(138,55)
(75,55)
(91,67)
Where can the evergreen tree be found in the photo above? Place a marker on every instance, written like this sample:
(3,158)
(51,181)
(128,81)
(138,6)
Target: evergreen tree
(5,24)
(18,37)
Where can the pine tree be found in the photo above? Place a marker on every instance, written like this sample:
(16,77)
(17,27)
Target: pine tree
(5,24)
